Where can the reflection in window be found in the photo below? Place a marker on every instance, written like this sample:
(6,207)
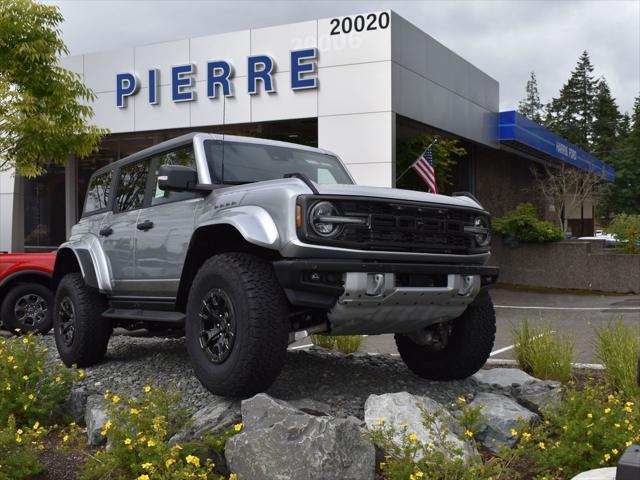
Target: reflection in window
(132,185)
(183,157)
(98,193)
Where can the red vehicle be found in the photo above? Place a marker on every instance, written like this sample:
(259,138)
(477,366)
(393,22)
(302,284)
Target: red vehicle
(26,300)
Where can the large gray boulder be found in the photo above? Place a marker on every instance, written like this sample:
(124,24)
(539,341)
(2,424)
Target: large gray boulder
(538,396)
(279,441)
(403,408)
(95,417)
(215,418)
(503,377)
(501,415)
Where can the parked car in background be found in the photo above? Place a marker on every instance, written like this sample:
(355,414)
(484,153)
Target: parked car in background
(26,299)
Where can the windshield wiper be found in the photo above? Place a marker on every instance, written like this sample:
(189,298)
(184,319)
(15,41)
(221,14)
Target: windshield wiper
(305,179)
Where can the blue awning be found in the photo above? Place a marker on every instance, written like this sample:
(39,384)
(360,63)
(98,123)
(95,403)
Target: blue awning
(518,131)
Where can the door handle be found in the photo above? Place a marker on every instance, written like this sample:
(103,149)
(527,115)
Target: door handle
(146,225)
(106,231)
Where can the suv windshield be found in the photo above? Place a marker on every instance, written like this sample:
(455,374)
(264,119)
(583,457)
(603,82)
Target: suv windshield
(237,162)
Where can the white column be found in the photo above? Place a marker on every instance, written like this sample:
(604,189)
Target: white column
(11,213)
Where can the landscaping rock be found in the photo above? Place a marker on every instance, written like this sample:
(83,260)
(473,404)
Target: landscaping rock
(503,377)
(501,415)
(76,405)
(215,418)
(280,441)
(608,473)
(538,395)
(95,417)
(312,407)
(401,408)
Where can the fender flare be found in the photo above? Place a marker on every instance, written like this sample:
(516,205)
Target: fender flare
(254,224)
(92,260)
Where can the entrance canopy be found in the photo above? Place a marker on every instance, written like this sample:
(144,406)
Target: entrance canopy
(520,133)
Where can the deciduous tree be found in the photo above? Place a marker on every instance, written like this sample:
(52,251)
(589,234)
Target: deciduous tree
(43,108)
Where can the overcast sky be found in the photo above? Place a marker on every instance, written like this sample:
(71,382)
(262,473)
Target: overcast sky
(506,39)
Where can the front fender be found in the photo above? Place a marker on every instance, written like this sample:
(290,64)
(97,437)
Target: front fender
(92,260)
(254,224)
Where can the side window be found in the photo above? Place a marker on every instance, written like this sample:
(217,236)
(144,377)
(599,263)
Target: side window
(132,185)
(98,192)
(182,156)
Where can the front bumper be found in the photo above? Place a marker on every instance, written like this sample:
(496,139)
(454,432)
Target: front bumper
(318,283)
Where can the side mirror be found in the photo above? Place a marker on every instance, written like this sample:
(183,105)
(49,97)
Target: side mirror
(178,178)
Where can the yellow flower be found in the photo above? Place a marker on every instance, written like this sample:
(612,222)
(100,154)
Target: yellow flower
(25,377)
(81,373)
(151,443)
(144,476)
(629,404)
(541,445)
(617,425)
(233,476)
(127,441)
(134,411)
(589,415)
(381,421)
(526,435)
(25,341)
(193,460)
(514,432)
(607,457)
(237,427)
(36,425)
(58,379)
(115,399)
(147,389)
(628,444)
(382,465)
(413,438)
(462,400)
(169,462)
(147,465)
(419,474)
(31,397)
(10,359)
(108,424)
(607,410)
(468,433)
(614,451)
(65,439)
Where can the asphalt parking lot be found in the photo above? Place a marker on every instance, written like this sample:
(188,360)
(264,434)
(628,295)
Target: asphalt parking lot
(567,313)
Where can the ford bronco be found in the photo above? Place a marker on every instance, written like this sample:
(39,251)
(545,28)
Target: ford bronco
(248,243)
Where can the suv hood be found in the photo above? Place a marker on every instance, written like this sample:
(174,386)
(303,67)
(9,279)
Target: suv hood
(396,194)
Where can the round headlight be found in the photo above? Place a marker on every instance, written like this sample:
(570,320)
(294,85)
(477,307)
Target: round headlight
(319,223)
(483,231)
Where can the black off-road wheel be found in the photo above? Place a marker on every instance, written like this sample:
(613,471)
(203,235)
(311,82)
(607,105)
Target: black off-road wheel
(81,333)
(27,308)
(464,346)
(237,325)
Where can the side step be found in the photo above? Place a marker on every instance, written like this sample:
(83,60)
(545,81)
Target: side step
(140,315)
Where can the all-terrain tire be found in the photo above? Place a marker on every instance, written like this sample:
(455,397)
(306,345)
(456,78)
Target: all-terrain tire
(91,332)
(466,351)
(37,296)
(261,324)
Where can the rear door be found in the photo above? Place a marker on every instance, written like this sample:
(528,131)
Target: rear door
(119,227)
(168,220)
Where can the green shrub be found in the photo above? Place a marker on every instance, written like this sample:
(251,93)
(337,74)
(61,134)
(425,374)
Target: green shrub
(626,229)
(31,384)
(440,459)
(617,347)
(138,431)
(590,429)
(522,225)
(18,451)
(542,353)
(341,343)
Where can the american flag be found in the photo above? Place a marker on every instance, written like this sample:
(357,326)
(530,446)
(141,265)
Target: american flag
(423,166)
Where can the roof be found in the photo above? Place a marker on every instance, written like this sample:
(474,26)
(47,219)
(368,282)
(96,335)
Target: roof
(517,131)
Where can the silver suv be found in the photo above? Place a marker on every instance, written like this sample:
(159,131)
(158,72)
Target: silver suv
(248,243)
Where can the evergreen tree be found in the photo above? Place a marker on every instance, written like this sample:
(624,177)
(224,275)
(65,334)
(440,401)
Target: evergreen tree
(531,106)
(571,114)
(606,122)
(624,127)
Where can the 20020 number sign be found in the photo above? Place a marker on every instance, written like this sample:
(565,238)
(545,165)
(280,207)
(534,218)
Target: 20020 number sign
(359,23)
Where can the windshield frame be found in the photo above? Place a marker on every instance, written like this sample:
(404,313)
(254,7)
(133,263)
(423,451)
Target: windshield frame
(211,160)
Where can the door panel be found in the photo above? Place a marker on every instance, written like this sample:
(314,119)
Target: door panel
(119,247)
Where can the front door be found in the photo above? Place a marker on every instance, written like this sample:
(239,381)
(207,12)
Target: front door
(161,248)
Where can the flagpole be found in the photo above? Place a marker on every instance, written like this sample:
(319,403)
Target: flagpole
(409,167)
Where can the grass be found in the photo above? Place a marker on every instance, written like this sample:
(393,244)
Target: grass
(617,347)
(542,353)
(341,343)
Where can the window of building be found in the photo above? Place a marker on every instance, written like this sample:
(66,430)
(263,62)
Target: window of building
(44,213)
(98,193)
(182,156)
(132,184)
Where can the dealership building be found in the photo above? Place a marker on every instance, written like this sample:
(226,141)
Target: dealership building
(361,86)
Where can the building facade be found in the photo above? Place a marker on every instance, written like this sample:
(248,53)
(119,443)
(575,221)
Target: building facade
(359,85)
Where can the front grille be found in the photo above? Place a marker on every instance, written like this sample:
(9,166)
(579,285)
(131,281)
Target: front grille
(403,227)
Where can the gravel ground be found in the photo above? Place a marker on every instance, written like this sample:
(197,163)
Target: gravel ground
(342,381)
